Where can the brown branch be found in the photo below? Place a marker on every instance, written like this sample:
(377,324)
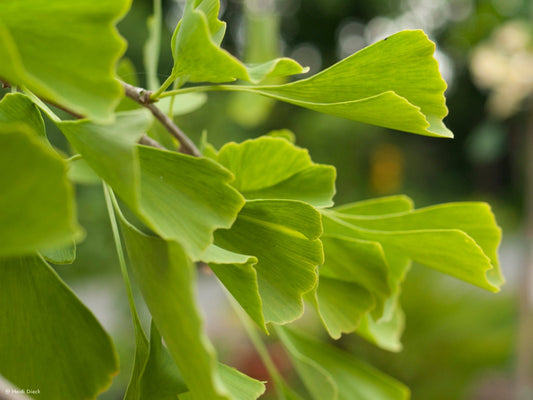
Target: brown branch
(148,141)
(142,97)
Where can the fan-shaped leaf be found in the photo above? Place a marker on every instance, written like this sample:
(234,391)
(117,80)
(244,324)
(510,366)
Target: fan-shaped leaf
(199,58)
(36,350)
(36,193)
(331,374)
(394,83)
(283,236)
(72,66)
(273,168)
(167,281)
(178,196)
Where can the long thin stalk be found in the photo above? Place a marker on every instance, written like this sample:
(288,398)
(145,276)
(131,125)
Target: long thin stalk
(109,200)
(260,347)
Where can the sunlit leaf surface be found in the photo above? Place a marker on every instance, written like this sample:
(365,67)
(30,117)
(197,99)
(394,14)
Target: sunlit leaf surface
(64,51)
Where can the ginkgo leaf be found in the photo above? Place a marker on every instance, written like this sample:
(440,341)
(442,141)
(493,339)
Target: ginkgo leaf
(445,240)
(64,51)
(178,196)
(341,305)
(475,219)
(38,351)
(273,168)
(385,333)
(237,273)
(394,83)
(198,56)
(283,236)
(60,255)
(378,206)
(154,375)
(18,107)
(167,281)
(30,172)
(331,374)
(353,281)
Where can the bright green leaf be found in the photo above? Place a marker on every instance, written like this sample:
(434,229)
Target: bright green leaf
(239,386)
(384,334)
(161,379)
(273,168)
(18,107)
(60,255)
(378,206)
(53,343)
(353,280)
(79,172)
(341,305)
(331,374)
(64,51)
(447,250)
(199,58)
(283,236)
(180,197)
(394,83)
(38,200)
(238,275)
(474,219)
(167,281)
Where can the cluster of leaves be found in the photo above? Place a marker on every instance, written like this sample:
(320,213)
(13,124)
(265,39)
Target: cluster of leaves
(259,213)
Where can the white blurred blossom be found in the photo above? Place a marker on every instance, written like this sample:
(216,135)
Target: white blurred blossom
(504,65)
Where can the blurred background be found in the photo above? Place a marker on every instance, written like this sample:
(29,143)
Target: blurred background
(459,342)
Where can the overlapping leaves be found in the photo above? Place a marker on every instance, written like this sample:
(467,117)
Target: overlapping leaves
(393,83)
(37,199)
(64,51)
(180,197)
(198,56)
(167,281)
(275,236)
(459,239)
(331,374)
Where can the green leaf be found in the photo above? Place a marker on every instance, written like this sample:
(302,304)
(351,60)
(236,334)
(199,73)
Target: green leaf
(384,333)
(283,236)
(239,385)
(273,168)
(331,374)
(53,343)
(60,255)
(79,172)
(38,200)
(180,197)
(394,83)
(18,107)
(182,104)
(353,280)
(73,61)
(199,58)
(341,305)
(237,273)
(460,239)
(154,376)
(167,281)
(378,206)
